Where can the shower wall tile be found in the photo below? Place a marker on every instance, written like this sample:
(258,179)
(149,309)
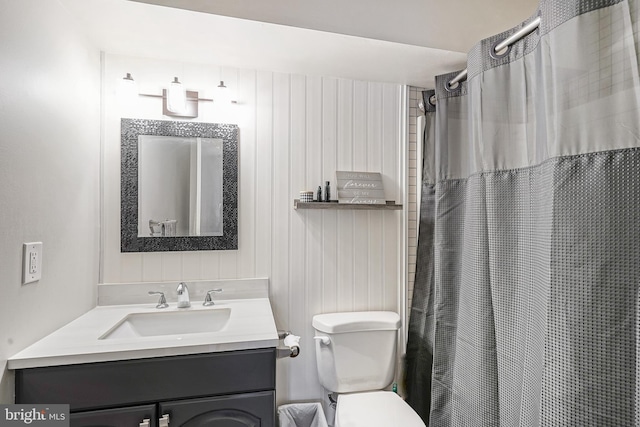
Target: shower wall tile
(414,188)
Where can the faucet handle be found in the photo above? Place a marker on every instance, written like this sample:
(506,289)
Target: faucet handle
(207,300)
(162,303)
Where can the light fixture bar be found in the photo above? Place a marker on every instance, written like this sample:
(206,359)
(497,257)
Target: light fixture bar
(152,95)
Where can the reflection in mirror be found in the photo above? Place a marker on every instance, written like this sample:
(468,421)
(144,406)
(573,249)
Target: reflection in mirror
(179,186)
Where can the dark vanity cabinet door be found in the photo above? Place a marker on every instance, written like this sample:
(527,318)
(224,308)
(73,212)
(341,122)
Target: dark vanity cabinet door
(226,389)
(120,417)
(244,410)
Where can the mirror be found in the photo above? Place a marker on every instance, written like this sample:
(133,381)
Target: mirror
(179,186)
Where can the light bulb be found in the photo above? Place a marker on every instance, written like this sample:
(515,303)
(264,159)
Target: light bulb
(223,96)
(127,89)
(176,97)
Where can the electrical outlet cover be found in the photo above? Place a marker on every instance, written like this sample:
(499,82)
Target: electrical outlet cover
(31,262)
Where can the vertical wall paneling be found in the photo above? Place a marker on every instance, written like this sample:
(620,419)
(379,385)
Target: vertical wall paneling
(210,265)
(280,213)
(346,221)
(314,251)
(361,218)
(375,123)
(315,255)
(329,218)
(151,267)
(191,269)
(171,266)
(391,167)
(130,268)
(228,265)
(360,125)
(264,149)
(281,207)
(246,98)
(345,118)
(298,377)
(314,259)
(294,132)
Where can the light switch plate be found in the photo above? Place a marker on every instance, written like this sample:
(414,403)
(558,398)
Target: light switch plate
(31,262)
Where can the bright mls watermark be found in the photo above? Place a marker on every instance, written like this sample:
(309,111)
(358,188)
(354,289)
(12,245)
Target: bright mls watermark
(34,415)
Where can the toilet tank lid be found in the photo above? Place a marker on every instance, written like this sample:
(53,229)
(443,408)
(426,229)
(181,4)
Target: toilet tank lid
(335,323)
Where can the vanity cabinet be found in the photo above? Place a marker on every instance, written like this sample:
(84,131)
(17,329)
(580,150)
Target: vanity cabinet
(247,410)
(226,389)
(119,417)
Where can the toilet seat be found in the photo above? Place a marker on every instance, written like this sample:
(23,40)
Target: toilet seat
(375,409)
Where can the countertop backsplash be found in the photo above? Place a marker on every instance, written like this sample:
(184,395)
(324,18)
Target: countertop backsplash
(138,292)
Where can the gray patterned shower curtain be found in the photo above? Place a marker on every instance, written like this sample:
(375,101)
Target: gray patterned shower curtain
(526,307)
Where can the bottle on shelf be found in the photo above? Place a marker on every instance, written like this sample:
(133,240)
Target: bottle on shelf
(327,192)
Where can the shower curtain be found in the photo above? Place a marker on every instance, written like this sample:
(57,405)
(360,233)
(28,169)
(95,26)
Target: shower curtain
(525,309)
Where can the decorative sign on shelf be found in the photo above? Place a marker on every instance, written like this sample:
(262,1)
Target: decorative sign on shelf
(360,188)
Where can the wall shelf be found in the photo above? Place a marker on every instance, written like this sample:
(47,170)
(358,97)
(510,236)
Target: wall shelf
(333,204)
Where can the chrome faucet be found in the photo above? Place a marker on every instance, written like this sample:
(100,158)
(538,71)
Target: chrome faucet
(183,296)
(162,303)
(207,300)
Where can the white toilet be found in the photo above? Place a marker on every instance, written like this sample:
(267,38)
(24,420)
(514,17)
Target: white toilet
(356,355)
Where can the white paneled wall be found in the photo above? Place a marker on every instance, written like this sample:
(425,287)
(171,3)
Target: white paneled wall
(295,132)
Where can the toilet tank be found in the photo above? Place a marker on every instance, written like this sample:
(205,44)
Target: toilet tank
(360,352)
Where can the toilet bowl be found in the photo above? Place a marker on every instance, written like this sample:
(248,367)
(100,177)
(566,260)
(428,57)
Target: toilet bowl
(356,358)
(375,409)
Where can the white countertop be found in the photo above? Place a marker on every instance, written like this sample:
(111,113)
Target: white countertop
(251,325)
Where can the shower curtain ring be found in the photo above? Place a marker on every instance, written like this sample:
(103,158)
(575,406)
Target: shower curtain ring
(495,55)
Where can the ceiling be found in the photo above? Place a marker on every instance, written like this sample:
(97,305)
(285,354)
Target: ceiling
(450,25)
(404,41)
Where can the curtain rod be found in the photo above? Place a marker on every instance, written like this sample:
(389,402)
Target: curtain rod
(521,33)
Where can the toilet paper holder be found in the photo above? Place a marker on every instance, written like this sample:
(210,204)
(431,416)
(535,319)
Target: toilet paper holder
(292,345)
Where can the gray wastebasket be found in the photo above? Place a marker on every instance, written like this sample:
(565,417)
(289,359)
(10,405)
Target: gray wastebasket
(302,415)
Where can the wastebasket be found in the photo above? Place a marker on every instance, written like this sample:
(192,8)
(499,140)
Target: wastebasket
(302,415)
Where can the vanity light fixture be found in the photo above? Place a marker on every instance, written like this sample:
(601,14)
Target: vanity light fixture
(129,83)
(127,88)
(176,97)
(179,102)
(223,95)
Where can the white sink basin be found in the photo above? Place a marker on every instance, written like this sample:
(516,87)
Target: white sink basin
(169,323)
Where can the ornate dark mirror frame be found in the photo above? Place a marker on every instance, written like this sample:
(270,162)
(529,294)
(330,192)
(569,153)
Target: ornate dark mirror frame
(130,130)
